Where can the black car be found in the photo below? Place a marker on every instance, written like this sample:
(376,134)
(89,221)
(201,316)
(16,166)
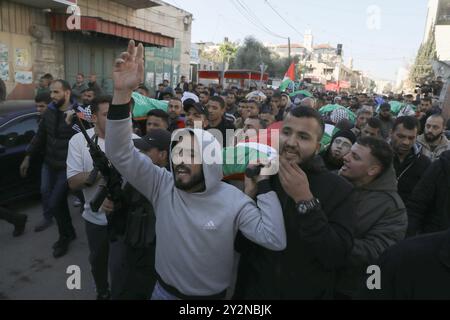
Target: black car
(18,124)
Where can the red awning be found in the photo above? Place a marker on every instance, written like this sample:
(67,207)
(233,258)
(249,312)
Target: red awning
(58,23)
(233,74)
(332,86)
(209,74)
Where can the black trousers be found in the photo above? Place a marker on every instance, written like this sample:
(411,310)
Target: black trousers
(98,242)
(133,274)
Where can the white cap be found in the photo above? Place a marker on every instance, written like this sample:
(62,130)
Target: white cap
(189,95)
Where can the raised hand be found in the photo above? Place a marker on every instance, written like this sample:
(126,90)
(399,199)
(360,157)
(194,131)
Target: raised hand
(128,73)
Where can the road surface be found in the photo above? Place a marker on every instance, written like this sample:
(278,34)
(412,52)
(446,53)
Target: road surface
(28,269)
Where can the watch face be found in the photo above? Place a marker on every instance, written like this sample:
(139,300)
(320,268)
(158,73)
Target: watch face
(302,208)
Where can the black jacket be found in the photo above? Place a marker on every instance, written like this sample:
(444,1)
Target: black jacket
(222,127)
(317,244)
(410,171)
(381,223)
(97,89)
(52,138)
(429,206)
(417,268)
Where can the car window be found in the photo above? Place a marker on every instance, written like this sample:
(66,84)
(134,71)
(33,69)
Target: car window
(19,132)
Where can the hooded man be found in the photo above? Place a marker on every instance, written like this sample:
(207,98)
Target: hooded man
(197,215)
(339,147)
(381,214)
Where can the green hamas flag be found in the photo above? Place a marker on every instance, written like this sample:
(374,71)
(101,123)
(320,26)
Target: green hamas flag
(303,92)
(396,106)
(236,159)
(143,104)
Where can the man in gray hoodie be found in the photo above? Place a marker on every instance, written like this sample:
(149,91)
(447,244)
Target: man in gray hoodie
(197,215)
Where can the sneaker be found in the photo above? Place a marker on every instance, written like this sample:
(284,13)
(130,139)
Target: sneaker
(44,224)
(19,227)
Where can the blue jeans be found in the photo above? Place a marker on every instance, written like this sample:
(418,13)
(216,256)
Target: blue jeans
(160,294)
(54,189)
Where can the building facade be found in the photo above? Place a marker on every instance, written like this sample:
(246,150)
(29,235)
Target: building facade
(36,38)
(438,18)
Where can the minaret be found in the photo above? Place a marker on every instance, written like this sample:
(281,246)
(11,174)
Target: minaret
(308,40)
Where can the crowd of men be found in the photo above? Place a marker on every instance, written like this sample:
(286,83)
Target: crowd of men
(310,231)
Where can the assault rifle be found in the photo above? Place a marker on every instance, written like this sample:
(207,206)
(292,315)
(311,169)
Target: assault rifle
(111,188)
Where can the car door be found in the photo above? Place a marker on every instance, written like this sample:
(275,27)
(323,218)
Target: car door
(15,137)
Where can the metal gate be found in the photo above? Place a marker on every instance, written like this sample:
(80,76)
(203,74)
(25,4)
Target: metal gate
(92,54)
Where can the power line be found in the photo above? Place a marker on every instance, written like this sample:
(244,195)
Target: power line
(253,19)
(282,18)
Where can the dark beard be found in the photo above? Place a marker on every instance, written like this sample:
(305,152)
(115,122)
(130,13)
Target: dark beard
(310,164)
(196,180)
(433,138)
(60,103)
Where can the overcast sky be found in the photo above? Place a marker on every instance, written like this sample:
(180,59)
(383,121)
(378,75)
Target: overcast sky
(380,35)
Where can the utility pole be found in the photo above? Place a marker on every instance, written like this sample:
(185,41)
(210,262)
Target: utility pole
(263,68)
(289,49)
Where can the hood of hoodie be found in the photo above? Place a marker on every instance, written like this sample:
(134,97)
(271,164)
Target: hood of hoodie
(211,157)
(386,182)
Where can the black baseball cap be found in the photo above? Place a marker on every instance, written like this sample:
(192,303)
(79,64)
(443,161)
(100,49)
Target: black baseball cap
(190,103)
(155,138)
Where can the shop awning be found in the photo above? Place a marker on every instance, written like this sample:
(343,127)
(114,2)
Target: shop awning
(233,74)
(93,24)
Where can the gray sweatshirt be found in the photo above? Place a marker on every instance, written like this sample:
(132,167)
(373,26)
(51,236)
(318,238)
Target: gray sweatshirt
(196,231)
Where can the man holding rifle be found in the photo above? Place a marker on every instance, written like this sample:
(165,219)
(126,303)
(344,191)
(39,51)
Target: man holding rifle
(79,174)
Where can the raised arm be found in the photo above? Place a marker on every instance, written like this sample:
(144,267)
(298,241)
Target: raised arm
(136,168)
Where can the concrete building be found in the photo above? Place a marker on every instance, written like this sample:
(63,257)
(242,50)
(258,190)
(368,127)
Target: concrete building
(38,37)
(282,50)
(438,17)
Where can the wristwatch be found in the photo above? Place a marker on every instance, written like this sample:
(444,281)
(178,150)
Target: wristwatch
(303,207)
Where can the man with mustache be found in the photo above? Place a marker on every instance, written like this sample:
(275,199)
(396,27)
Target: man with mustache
(409,162)
(318,216)
(434,141)
(197,215)
(52,139)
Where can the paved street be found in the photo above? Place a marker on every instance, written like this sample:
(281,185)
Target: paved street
(27,267)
